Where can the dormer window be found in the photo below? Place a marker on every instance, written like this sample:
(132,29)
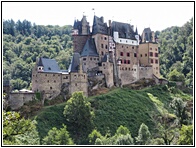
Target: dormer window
(49,68)
(40,68)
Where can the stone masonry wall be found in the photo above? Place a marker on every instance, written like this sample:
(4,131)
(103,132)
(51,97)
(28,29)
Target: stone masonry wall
(17,100)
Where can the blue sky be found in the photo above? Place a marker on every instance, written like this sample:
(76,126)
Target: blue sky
(156,15)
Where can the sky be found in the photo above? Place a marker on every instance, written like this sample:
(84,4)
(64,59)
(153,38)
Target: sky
(156,15)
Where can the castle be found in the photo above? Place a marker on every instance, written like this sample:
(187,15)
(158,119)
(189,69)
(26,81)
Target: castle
(114,53)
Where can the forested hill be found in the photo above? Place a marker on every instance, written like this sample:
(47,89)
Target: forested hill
(176,52)
(23,42)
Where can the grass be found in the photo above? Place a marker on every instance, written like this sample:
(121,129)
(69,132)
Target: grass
(120,106)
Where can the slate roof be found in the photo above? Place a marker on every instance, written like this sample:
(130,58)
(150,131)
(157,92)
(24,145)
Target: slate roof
(50,65)
(78,25)
(99,26)
(104,59)
(75,63)
(89,48)
(125,30)
(147,34)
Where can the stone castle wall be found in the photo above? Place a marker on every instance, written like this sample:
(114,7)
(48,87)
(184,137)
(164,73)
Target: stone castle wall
(17,100)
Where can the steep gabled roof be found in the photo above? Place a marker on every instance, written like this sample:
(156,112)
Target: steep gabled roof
(147,34)
(124,30)
(50,65)
(99,26)
(75,63)
(89,48)
(78,25)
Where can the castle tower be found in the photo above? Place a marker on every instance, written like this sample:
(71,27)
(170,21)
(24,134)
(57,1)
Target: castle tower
(80,34)
(148,51)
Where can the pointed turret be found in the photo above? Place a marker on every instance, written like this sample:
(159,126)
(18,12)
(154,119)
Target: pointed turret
(136,32)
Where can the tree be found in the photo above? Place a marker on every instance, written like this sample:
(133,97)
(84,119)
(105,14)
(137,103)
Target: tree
(179,108)
(144,135)
(122,130)
(19,131)
(176,76)
(124,140)
(78,115)
(58,137)
(186,135)
(93,136)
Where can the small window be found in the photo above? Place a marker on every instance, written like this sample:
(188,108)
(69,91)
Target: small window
(128,54)
(157,68)
(101,45)
(102,53)
(128,61)
(106,46)
(135,54)
(151,60)
(125,62)
(156,61)
(105,38)
(91,59)
(150,48)
(94,58)
(84,63)
(84,59)
(121,53)
(132,47)
(155,49)
(50,87)
(75,84)
(125,68)
(122,46)
(54,81)
(48,81)
(120,41)
(129,68)
(151,54)
(49,68)
(140,55)
(156,54)
(146,55)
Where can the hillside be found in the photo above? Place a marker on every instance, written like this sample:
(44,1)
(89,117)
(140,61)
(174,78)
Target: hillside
(120,106)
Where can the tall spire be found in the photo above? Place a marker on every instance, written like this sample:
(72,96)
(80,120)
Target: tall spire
(136,30)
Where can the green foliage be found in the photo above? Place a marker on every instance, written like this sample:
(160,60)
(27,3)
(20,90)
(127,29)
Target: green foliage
(144,135)
(58,137)
(93,136)
(122,130)
(124,140)
(50,117)
(186,135)
(78,115)
(176,76)
(176,51)
(24,42)
(38,96)
(126,107)
(179,108)
(18,131)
